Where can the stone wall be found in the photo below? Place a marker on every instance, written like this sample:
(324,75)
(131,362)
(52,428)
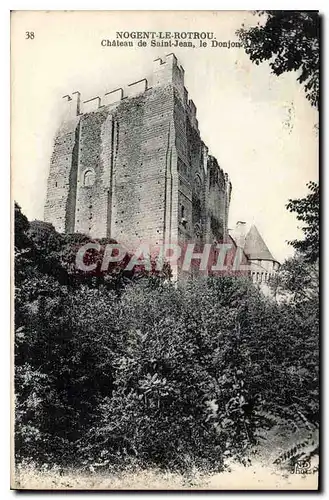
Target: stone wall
(142,199)
(132,166)
(62,180)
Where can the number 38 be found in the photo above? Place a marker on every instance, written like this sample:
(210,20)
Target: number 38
(29,35)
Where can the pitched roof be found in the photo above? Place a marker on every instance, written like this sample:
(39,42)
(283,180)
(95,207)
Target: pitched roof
(255,247)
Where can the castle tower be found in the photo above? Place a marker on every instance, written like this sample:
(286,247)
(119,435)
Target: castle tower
(132,166)
(261,262)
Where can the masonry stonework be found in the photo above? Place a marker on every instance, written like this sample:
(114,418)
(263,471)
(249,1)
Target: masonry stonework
(132,166)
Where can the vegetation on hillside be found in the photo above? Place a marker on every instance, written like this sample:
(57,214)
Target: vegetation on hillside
(112,368)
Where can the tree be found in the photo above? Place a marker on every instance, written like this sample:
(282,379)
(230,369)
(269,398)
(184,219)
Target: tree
(24,249)
(307,210)
(297,280)
(157,374)
(290,41)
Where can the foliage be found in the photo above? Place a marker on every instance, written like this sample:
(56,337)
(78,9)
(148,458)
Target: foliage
(297,279)
(172,398)
(307,210)
(141,369)
(290,41)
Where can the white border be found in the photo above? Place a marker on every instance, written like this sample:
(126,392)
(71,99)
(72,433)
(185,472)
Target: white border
(6,6)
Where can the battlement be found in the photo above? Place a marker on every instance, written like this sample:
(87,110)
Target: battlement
(217,174)
(165,71)
(75,106)
(72,106)
(191,109)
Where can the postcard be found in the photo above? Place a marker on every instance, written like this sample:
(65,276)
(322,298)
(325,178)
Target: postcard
(165,200)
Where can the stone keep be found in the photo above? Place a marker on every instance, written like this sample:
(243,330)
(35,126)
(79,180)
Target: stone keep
(132,166)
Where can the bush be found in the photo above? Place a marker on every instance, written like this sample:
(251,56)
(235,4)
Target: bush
(164,375)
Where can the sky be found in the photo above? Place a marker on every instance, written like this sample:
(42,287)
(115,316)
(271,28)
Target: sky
(260,127)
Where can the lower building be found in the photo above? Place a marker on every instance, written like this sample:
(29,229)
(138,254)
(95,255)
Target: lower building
(262,264)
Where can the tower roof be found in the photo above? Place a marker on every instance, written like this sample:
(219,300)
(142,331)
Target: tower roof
(255,247)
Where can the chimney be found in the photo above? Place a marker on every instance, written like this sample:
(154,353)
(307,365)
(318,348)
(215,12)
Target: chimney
(239,234)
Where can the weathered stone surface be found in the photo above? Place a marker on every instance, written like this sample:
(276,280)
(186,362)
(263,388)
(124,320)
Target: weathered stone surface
(136,169)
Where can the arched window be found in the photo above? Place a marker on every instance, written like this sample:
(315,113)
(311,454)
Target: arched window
(197,231)
(197,185)
(88,178)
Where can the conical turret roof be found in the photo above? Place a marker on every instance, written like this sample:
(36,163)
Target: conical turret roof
(255,247)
